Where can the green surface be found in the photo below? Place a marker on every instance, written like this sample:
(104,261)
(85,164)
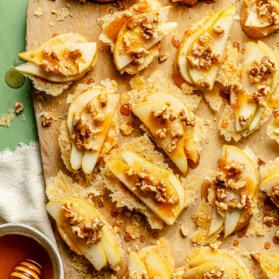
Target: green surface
(12,41)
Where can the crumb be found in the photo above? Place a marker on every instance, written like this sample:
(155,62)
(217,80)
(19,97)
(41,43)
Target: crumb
(38,12)
(61,14)
(19,107)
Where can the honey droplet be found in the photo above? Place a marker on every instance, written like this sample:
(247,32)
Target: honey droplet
(267,245)
(142,238)
(235,243)
(175,41)
(155,234)
(125,110)
(114,212)
(14,78)
(127,237)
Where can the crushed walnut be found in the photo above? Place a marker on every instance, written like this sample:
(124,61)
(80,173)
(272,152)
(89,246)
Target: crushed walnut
(90,230)
(202,55)
(84,133)
(215,273)
(260,95)
(46,118)
(259,71)
(52,61)
(151,186)
(147,26)
(19,107)
(268,11)
(137,275)
(227,185)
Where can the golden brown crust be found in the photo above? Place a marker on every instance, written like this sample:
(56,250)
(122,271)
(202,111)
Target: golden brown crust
(251,31)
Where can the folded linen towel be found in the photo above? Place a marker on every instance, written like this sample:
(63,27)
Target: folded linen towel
(22,189)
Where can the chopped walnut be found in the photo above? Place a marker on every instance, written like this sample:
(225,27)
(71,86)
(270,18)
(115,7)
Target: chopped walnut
(215,273)
(218,30)
(260,70)
(90,230)
(204,83)
(161,133)
(243,121)
(260,95)
(126,129)
(46,118)
(19,107)
(268,11)
(189,120)
(150,185)
(164,113)
(83,134)
(103,99)
(202,54)
(52,63)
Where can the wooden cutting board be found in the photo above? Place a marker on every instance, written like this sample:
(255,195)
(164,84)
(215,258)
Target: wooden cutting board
(43,22)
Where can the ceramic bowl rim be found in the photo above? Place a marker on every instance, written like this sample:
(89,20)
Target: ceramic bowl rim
(31,232)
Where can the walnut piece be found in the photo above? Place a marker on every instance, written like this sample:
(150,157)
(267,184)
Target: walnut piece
(202,56)
(46,118)
(215,273)
(90,230)
(260,70)
(268,11)
(19,107)
(151,186)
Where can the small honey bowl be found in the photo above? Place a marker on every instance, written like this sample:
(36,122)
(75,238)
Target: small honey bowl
(27,253)
(29,269)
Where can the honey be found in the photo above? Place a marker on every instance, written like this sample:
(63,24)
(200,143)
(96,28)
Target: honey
(15,249)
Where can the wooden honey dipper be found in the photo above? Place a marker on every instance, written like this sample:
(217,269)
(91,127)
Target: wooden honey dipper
(27,269)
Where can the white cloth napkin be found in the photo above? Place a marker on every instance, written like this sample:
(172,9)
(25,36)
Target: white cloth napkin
(22,189)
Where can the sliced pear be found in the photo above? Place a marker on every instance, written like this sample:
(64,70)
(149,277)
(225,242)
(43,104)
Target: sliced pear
(199,271)
(166,211)
(274,81)
(136,161)
(145,113)
(108,239)
(66,60)
(245,110)
(217,222)
(135,265)
(112,30)
(76,108)
(122,54)
(190,37)
(93,252)
(155,267)
(225,21)
(250,175)
(219,258)
(90,158)
(246,106)
(191,147)
(33,70)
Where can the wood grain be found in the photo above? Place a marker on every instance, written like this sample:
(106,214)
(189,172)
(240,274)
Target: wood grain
(84,19)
